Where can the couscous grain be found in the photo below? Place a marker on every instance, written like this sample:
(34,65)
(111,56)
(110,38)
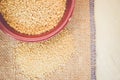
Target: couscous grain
(43,58)
(32,17)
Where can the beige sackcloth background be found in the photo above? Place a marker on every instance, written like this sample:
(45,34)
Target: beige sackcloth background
(81,62)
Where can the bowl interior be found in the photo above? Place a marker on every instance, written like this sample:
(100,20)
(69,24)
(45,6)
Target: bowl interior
(23,37)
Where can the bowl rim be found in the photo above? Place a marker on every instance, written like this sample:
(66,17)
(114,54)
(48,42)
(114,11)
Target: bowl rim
(22,37)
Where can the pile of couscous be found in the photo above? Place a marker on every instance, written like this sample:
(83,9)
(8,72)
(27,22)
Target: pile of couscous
(32,17)
(39,59)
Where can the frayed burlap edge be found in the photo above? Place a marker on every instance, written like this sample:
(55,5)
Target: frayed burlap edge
(93,42)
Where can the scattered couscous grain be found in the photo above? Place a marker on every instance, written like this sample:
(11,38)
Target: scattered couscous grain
(32,17)
(37,59)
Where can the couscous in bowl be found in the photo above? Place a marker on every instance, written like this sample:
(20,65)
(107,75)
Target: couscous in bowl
(39,37)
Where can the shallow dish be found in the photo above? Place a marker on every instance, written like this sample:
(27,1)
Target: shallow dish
(33,38)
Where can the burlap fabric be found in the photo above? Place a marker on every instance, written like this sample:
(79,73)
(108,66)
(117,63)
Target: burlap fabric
(78,64)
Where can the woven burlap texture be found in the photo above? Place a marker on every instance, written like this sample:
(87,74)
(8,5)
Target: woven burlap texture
(76,64)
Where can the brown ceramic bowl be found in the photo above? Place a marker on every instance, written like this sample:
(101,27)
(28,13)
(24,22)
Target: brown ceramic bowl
(23,37)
